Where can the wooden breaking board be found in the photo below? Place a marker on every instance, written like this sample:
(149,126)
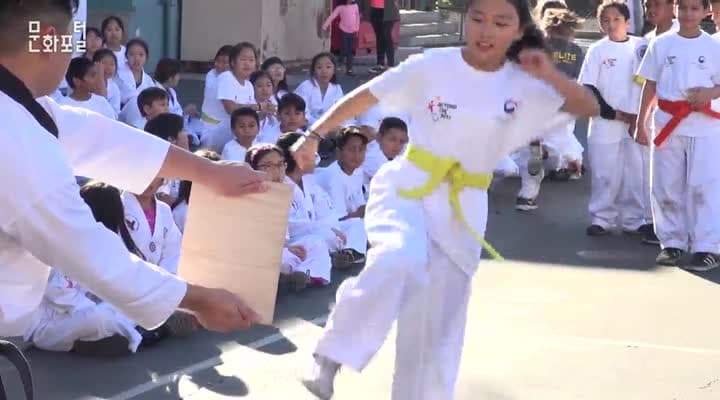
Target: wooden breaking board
(236,243)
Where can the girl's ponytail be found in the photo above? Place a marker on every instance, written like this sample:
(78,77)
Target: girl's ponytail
(532,38)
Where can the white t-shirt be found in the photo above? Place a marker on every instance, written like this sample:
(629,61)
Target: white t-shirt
(374,159)
(113,96)
(211,105)
(678,64)
(229,88)
(609,66)
(316,104)
(234,151)
(96,103)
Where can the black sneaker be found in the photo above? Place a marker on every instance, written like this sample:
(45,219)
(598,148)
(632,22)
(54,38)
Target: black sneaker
(356,258)
(669,257)
(649,236)
(559,175)
(523,204)
(596,230)
(342,260)
(637,232)
(702,261)
(113,346)
(180,324)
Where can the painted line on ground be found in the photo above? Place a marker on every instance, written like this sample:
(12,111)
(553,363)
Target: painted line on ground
(160,381)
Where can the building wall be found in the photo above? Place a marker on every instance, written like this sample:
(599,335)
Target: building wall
(209,24)
(289,29)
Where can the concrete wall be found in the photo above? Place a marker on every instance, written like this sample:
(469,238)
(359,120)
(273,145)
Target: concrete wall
(209,24)
(289,29)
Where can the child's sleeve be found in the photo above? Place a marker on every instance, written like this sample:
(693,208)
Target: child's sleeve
(400,87)
(649,66)
(225,87)
(172,241)
(330,19)
(590,69)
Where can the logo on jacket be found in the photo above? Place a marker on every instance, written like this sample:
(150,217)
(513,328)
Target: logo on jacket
(132,223)
(510,106)
(609,62)
(671,60)
(440,110)
(640,52)
(701,59)
(153,247)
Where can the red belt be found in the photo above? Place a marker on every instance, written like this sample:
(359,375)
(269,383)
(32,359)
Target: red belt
(679,111)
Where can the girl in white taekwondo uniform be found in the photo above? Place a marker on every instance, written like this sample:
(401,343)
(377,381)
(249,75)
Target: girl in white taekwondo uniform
(425,232)
(616,197)
(133,79)
(315,215)
(44,212)
(212,110)
(682,76)
(321,91)
(152,227)
(70,317)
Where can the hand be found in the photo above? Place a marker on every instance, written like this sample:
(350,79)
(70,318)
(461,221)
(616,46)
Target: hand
(537,63)
(625,117)
(298,251)
(340,235)
(698,97)
(575,166)
(217,309)
(631,128)
(641,135)
(191,110)
(166,198)
(233,179)
(305,154)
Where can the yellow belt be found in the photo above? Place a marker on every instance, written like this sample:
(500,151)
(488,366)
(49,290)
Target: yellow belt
(209,119)
(639,80)
(450,169)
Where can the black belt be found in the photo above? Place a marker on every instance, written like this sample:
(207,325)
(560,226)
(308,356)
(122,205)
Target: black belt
(20,362)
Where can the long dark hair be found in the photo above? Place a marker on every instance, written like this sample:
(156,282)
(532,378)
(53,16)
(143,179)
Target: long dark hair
(317,59)
(186,186)
(107,208)
(533,37)
(282,85)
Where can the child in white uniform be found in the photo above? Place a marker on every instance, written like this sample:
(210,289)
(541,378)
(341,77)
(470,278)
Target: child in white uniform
(244,123)
(113,31)
(82,77)
(152,227)
(107,58)
(617,194)
(392,136)
(234,88)
(212,109)
(682,71)
(278,73)
(269,122)
(315,260)
(344,179)
(71,319)
(423,253)
(167,75)
(345,239)
(321,91)
(659,13)
(134,79)
(150,103)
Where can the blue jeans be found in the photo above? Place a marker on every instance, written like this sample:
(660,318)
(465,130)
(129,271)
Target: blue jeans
(346,49)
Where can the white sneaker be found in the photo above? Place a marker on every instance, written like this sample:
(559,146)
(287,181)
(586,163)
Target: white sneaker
(320,379)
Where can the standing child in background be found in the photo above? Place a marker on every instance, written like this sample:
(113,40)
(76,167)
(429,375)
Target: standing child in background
(167,74)
(660,14)
(106,57)
(244,123)
(344,179)
(349,14)
(68,318)
(682,75)
(559,154)
(212,109)
(321,91)
(113,32)
(133,78)
(83,78)
(264,94)
(278,73)
(390,143)
(616,185)
(93,42)
(180,206)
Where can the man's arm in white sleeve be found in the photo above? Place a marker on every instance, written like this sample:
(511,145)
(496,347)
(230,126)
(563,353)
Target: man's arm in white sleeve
(60,231)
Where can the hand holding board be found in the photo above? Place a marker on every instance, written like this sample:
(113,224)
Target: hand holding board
(236,243)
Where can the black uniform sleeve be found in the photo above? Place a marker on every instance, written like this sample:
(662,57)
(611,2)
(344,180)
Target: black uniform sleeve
(606,111)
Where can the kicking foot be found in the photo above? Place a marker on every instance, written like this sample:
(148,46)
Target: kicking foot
(703,261)
(596,230)
(320,379)
(669,257)
(523,204)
